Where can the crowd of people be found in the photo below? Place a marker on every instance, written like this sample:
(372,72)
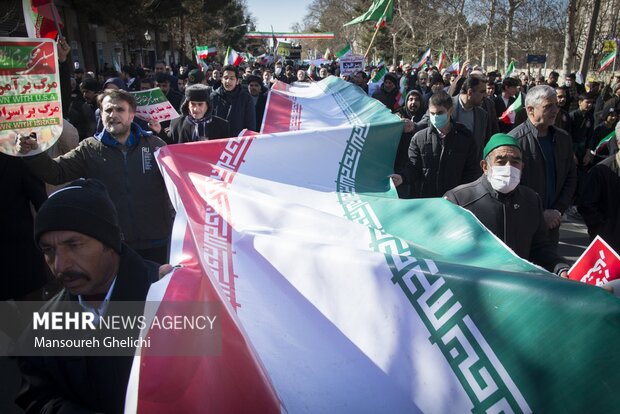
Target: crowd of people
(518,175)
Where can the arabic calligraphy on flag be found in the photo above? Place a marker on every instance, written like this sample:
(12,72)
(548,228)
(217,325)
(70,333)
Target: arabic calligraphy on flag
(152,104)
(29,92)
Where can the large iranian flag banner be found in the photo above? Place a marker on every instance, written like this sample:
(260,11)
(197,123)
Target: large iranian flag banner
(338,297)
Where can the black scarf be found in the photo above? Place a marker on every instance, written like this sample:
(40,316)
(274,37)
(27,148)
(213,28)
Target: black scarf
(200,127)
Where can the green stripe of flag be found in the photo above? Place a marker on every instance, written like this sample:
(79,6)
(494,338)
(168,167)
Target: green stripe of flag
(604,141)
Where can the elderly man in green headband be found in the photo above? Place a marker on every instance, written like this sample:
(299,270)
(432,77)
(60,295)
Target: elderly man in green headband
(511,211)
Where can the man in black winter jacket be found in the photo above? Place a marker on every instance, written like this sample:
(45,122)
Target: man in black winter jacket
(197,123)
(233,103)
(78,231)
(511,211)
(548,154)
(600,202)
(441,156)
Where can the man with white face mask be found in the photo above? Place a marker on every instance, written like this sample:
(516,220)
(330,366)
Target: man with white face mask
(511,211)
(441,156)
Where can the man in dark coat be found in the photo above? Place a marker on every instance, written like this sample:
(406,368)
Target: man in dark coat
(441,156)
(197,123)
(548,154)
(23,272)
(468,112)
(600,201)
(594,154)
(582,125)
(511,211)
(388,92)
(563,120)
(77,230)
(233,103)
(259,97)
(411,112)
(174,96)
(510,88)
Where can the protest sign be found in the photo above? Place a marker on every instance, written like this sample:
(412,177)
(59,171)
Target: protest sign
(598,264)
(29,93)
(152,104)
(351,64)
(283,49)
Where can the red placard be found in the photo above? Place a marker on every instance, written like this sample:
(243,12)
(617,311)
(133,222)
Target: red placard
(598,264)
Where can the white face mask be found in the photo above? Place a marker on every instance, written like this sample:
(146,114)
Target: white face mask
(504,178)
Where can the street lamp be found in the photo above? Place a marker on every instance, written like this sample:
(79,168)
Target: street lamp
(147,36)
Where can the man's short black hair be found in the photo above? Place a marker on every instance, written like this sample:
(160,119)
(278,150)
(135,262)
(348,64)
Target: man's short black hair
(231,68)
(441,98)
(589,95)
(129,70)
(471,82)
(148,80)
(554,73)
(117,94)
(510,82)
(162,77)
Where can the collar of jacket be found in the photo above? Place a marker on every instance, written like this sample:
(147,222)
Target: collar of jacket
(534,130)
(134,136)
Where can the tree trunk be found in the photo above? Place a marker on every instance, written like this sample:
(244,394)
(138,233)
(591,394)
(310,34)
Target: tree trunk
(508,32)
(569,36)
(394,49)
(456,39)
(458,25)
(407,22)
(466,45)
(487,34)
(513,5)
(587,53)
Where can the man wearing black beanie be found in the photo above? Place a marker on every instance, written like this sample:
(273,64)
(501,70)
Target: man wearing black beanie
(77,230)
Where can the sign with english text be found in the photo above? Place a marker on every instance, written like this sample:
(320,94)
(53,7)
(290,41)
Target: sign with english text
(29,92)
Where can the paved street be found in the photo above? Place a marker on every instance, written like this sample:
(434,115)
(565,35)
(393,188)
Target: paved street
(573,238)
